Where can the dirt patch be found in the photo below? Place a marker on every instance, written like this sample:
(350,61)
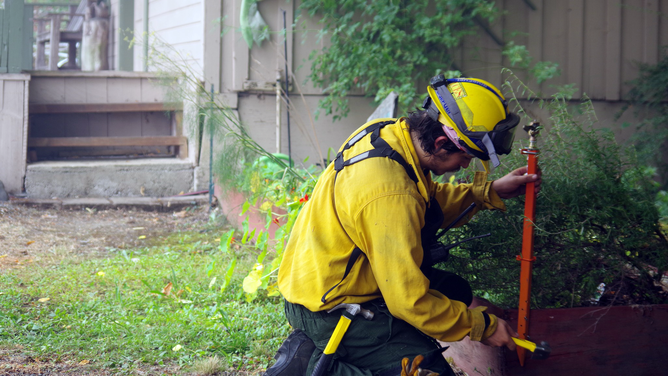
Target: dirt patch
(13,362)
(30,235)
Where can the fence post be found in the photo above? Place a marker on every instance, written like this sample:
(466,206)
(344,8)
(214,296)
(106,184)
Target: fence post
(28,37)
(4,25)
(12,40)
(14,16)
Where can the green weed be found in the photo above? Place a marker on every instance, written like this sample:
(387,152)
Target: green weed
(154,306)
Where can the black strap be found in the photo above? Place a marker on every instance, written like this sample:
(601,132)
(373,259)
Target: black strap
(351,261)
(459,218)
(375,127)
(381,144)
(380,149)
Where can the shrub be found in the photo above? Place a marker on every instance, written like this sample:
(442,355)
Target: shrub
(596,222)
(648,98)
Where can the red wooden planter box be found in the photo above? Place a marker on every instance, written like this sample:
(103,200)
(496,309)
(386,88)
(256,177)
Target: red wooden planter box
(623,340)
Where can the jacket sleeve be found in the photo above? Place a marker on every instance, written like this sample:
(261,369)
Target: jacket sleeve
(454,199)
(394,251)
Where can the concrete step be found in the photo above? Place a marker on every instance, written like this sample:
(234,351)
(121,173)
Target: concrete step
(160,177)
(100,203)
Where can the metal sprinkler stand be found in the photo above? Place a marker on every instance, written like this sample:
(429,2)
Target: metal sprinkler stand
(527,258)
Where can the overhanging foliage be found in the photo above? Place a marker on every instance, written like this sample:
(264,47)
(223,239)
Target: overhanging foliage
(386,45)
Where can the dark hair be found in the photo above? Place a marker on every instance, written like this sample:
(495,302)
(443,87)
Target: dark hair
(428,130)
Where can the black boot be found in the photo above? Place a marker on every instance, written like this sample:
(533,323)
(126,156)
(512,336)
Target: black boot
(293,356)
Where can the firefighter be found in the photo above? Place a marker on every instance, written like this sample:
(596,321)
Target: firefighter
(367,236)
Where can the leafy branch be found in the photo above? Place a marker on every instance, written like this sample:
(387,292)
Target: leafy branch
(389,45)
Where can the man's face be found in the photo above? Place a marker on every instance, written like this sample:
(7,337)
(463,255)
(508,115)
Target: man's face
(443,161)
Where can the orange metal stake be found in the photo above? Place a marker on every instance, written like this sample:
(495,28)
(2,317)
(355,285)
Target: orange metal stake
(527,256)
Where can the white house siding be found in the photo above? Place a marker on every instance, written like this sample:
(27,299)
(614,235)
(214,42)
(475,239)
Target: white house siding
(178,23)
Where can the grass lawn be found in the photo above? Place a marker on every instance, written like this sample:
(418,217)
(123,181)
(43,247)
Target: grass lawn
(156,309)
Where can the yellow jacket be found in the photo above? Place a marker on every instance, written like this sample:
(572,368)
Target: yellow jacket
(376,206)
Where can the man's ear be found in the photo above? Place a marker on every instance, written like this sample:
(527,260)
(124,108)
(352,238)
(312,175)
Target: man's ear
(439,142)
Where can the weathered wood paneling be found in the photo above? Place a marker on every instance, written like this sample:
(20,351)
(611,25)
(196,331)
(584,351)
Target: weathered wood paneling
(47,90)
(306,39)
(125,124)
(516,19)
(77,125)
(13,130)
(75,90)
(632,39)
(102,104)
(663,23)
(613,50)
(536,26)
(101,125)
(594,49)
(555,37)
(124,90)
(575,43)
(597,43)
(651,32)
(96,90)
(155,124)
(212,29)
(304,138)
(267,58)
(151,91)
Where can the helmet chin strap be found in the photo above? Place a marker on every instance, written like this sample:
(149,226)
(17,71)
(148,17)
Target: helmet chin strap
(491,151)
(486,166)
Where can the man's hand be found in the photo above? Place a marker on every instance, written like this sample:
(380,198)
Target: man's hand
(502,336)
(514,184)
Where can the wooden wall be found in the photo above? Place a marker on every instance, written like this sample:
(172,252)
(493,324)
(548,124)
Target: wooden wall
(82,89)
(248,79)
(597,43)
(94,87)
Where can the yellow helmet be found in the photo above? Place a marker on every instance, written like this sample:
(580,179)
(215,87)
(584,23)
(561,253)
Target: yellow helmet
(478,114)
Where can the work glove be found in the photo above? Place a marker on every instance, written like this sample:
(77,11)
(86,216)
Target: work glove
(414,369)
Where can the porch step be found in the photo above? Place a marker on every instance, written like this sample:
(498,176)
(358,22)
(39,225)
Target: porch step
(145,203)
(151,177)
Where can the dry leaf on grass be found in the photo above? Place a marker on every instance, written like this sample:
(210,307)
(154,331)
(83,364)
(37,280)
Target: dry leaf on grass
(167,290)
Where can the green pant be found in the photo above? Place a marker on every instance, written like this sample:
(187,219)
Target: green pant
(369,347)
